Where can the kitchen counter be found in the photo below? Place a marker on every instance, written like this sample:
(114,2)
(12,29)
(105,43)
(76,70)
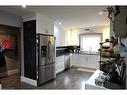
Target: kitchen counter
(90,84)
(86,53)
(61,50)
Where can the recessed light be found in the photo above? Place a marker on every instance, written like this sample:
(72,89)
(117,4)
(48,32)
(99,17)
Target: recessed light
(100,13)
(59,23)
(24,6)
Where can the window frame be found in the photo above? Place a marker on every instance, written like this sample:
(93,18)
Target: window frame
(80,35)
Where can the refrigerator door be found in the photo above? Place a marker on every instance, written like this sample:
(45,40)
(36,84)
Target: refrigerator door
(46,58)
(41,75)
(46,73)
(51,50)
(42,52)
(46,50)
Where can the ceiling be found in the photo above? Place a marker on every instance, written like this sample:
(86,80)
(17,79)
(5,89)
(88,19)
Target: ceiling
(69,16)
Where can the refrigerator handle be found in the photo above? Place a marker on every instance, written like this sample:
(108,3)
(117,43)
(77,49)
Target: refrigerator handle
(49,52)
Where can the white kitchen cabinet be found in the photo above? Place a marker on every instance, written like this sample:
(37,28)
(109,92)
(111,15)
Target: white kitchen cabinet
(65,37)
(59,33)
(92,61)
(82,60)
(44,25)
(75,59)
(59,64)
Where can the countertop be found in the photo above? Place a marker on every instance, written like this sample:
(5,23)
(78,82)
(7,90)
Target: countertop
(90,84)
(65,53)
(86,53)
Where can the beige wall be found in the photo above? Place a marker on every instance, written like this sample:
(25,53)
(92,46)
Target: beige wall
(74,33)
(105,30)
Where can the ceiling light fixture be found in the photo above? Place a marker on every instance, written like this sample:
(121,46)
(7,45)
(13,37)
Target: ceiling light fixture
(24,6)
(59,23)
(100,13)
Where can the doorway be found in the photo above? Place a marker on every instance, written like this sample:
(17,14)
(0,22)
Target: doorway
(10,51)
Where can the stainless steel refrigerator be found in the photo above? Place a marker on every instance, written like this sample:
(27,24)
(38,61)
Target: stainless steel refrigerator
(46,58)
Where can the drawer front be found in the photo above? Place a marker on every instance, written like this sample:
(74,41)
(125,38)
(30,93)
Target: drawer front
(59,67)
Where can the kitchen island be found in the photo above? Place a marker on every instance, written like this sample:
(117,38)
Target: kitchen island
(90,84)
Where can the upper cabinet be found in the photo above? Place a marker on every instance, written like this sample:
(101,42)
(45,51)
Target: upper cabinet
(44,25)
(120,23)
(59,33)
(66,37)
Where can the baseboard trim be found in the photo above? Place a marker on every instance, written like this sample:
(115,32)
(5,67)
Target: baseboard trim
(8,73)
(28,80)
(84,69)
(11,72)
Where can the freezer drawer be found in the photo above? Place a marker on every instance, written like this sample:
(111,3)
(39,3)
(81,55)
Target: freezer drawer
(46,73)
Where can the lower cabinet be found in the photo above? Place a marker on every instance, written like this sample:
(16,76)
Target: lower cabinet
(76,60)
(82,60)
(59,64)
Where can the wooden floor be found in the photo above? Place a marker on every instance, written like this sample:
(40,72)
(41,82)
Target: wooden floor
(69,79)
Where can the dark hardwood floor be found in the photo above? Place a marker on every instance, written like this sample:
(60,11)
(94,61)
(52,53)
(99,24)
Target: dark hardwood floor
(69,79)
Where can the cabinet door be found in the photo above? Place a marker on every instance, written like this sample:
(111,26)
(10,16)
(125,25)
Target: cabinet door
(97,58)
(59,64)
(49,28)
(84,60)
(93,61)
(75,58)
(45,25)
(89,61)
